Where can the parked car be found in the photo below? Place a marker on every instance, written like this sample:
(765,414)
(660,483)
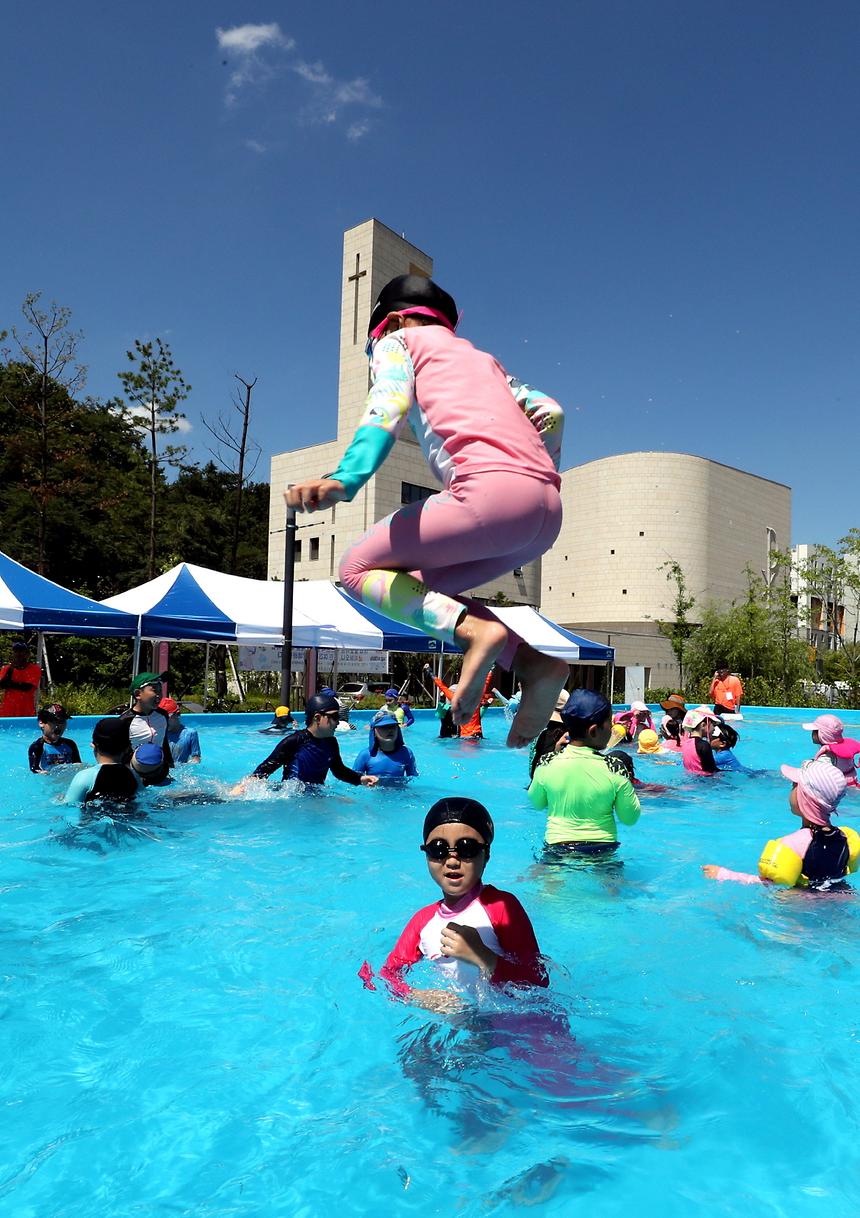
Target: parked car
(355,690)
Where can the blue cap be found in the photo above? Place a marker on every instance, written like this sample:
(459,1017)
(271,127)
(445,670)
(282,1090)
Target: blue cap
(385,719)
(587,705)
(391,693)
(327,689)
(148,757)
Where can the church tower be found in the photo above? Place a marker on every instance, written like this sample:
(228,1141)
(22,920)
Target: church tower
(372,255)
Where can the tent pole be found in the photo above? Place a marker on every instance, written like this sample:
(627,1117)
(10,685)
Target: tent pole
(235,674)
(206,678)
(289,576)
(42,658)
(135,667)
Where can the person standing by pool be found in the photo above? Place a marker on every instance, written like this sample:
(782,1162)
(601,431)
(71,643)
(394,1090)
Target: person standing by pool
(310,754)
(183,741)
(815,856)
(476,935)
(581,794)
(19,682)
(386,756)
(726,692)
(494,444)
(51,750)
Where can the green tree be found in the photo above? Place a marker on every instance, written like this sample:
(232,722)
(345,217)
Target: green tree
(155,386)
(49,375)
(679,630)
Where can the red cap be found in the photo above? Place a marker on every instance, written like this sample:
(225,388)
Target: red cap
(170,705)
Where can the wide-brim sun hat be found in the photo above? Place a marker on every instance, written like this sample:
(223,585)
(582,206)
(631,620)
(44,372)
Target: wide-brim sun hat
(822,781)
(638,706)
(674,702)
(695,717)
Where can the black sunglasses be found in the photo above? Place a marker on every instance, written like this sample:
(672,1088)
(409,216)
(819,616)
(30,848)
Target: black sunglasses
(465,848)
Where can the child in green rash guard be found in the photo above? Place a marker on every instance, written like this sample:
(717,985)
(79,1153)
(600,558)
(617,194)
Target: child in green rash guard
(582,795)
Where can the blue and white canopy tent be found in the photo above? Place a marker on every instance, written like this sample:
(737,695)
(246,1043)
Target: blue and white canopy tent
(30,602)
(194,603)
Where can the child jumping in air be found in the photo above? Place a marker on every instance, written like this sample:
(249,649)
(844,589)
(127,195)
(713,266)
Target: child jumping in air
(494,444)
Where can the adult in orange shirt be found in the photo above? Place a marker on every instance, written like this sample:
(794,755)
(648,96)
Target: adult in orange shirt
(19,682)
(726,691)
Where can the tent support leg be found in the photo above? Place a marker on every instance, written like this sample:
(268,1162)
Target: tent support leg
(42,658)
(206,680)
(135,666)
(235,674)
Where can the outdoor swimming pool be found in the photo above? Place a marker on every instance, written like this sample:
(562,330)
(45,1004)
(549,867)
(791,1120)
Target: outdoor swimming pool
(184,1033)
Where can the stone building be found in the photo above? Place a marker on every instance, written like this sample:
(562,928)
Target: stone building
(625,517)
(372,254)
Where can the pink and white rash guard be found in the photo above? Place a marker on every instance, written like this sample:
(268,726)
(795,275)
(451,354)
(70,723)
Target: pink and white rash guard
(501,922)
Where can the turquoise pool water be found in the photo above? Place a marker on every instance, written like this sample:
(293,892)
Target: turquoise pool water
(183,1031)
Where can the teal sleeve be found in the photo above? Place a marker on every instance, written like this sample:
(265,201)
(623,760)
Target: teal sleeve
(80,785)
(537,794)
(627,806)
(369,448)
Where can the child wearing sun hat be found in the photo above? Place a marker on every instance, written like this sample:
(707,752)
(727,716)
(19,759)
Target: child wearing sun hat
(818,854)
(834,746)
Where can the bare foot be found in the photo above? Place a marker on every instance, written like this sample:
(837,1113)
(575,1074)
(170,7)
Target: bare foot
(484,639)
(542,678)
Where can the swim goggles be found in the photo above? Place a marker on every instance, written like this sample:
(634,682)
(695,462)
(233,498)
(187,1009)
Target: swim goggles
(465,849)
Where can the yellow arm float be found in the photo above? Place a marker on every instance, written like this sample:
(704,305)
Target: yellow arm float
(780,864)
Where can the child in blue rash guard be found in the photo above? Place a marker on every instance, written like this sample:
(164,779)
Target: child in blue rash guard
(310,754)
(51,749)
(386,756)
(110,779)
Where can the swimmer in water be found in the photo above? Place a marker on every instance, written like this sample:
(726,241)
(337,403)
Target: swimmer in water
(818,855)
(495,445)
(581,794)
(51,750)
(309,755)
(828,733)
(476,935)
(386,756)
(282,722)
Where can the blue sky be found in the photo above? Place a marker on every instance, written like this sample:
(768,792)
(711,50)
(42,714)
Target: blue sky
(648,209)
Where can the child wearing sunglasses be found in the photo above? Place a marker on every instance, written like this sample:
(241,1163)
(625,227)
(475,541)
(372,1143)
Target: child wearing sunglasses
(476,934)
(309,755)
(494,445)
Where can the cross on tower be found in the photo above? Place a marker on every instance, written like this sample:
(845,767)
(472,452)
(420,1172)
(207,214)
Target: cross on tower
(354,279)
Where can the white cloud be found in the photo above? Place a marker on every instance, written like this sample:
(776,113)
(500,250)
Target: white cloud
(140,414)
(256,146)
(246,39)
(258,53)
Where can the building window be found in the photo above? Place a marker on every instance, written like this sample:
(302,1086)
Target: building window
(641,534)
(573,594)
(611,551)
(623,590)
(410,493)
(315,549)
(565,558)
(331,558)
(298,551)
(518,572)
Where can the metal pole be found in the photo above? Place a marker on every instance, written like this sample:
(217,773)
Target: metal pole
(289,574)
(206,679)
(235,673)
(43,646)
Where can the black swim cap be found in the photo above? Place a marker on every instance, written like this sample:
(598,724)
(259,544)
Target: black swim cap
(111,736)
(321,704)
(409,291)
(458,810)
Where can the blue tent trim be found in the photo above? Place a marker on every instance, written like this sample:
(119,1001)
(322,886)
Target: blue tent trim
(48,606)
(588,649)
(186,602)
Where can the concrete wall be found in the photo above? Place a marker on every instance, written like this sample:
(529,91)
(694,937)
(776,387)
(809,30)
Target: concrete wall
(626,516)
